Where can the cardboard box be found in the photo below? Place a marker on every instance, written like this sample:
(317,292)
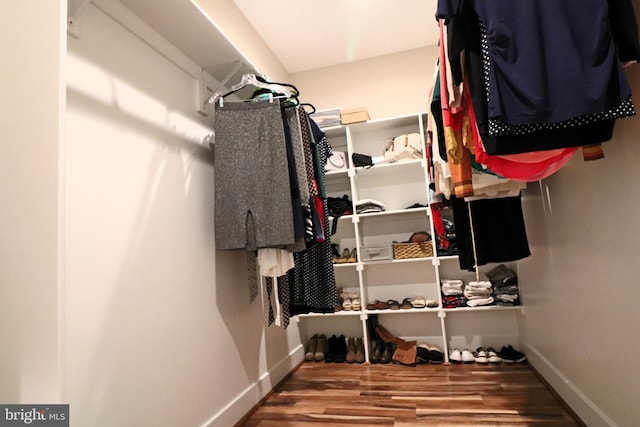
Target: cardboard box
(354,115)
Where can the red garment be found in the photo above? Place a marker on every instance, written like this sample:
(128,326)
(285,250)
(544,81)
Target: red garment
(524,167)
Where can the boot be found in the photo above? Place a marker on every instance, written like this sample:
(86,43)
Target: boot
(351,350)
(384,334)
(341,349)
(330,355)
(387,353)
(377,352)
(405,353)
(359,350)
(311,348)
(321,348)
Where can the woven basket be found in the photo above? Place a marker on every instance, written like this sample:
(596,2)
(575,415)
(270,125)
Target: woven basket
(412,250)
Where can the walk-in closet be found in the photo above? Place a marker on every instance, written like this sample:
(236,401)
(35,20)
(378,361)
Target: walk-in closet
(224,212)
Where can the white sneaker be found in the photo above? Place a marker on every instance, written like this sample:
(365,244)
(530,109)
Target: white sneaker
(467,356)
(492,356)
(481,356)
(455,356)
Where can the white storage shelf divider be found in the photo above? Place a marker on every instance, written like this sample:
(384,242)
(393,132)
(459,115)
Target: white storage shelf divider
(399,186)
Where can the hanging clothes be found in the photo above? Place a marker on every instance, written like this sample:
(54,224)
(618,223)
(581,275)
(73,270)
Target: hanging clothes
(498,233)
(566,93)
(312,281)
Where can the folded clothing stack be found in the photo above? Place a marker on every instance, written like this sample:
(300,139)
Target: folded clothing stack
(505,285)
(452,293)
(452,287)
(478,293)
(369,205)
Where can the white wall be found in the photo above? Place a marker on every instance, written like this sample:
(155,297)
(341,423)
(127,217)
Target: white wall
(31,127)
(580,286)
(113,298)
(387,86)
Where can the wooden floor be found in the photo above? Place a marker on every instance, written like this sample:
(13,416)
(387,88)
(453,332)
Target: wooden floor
(330,394)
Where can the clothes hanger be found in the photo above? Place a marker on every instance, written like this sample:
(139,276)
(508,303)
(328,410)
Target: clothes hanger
(261,83)
(313,108)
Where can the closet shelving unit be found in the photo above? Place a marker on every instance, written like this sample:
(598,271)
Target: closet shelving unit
(399,186)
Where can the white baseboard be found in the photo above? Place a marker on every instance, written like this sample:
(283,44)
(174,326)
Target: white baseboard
(584,408)
(245,401)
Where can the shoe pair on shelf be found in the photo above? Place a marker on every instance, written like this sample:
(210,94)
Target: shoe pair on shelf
(407,303)
(428,353)
(355,350)
(351,301)
(382,352)
(341,349)
(489,355)
(510,355)
(347,256)
(464,356)
(419,302)
(317,346)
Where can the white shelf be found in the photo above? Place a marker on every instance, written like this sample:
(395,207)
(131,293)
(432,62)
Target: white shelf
(396,185)
(484,308)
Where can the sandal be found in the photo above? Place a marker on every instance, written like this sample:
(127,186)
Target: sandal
(393,304)
(346,304)
(377,305)
(431,303)
(343,258)
(352,256)
(355,302)
(407,304)
(419,302)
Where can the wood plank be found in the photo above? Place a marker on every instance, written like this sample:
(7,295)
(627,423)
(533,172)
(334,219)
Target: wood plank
(323,394)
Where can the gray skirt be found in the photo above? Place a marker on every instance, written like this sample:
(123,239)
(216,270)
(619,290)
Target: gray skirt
(252,191)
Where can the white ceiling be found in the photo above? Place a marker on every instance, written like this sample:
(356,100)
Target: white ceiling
(309,34)
(303,34)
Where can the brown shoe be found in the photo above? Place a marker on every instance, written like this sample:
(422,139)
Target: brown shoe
(359,350)
(384,334)
(321,348)
(351,350)
(311,348)
(405,353)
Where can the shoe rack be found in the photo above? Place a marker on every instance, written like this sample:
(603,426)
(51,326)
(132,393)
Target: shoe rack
(398,186)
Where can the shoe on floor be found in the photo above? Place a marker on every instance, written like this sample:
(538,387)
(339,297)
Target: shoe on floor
(422,353)
(387,353)
(359,350)
(351,350)
(467,356)
(435,355)
(377,352)
(481,356)
(330,355)
(510,355)
(312,344)
(455,356)
(492,356)
(341,349)
(321,348)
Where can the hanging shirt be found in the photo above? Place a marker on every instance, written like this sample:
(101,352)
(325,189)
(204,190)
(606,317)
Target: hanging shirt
(549,61)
